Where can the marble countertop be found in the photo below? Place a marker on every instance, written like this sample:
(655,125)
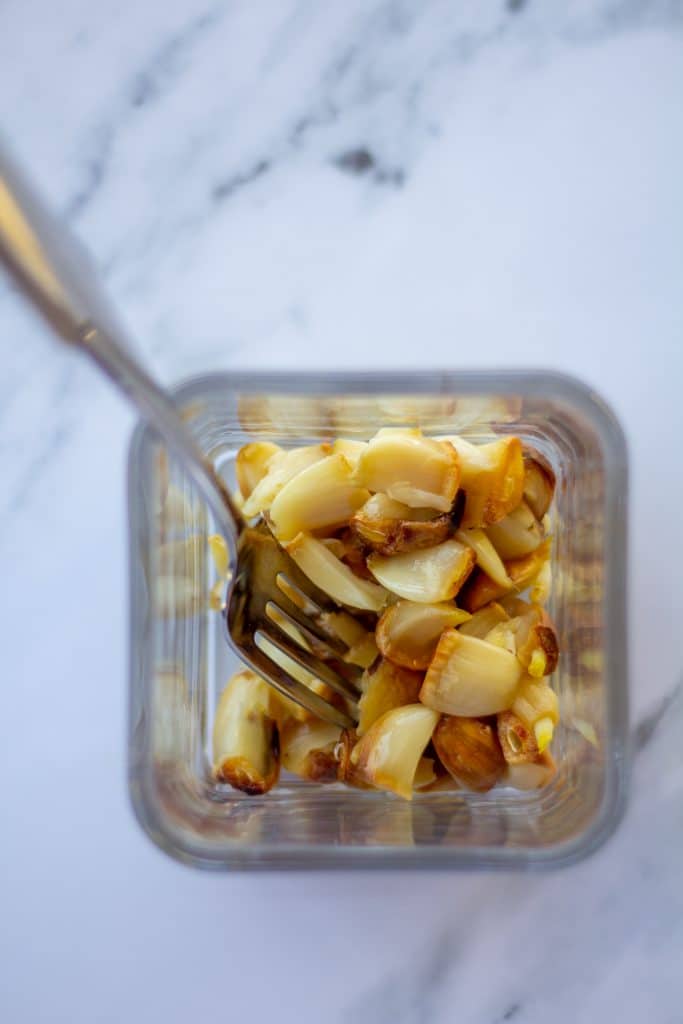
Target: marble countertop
(293,183)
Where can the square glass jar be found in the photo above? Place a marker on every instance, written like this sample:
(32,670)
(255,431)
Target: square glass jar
(180,661)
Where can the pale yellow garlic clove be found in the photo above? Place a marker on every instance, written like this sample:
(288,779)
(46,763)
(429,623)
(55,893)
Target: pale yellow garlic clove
(308,749)
(388,755)
(480,590)
(334,577)
(537,644)
(344,627)
(492,476)
(513,605)
(425,773)
(502,635)
(531,774)
(408,632)
(348,771)
(539,482)
(323,495)
(517,740)
(410,468)
(543,584)
(530,635)
(390,527)
(470,677)
(483,621)
(282,468)
(469,750)
(364,653)
(251,464)
(517,535)
(488,559)
(386,686)
(428,576)
(335,545)
(352,450)
(244,737)
(535,700)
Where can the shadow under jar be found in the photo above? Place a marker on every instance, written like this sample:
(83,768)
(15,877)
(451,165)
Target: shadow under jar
(180,661)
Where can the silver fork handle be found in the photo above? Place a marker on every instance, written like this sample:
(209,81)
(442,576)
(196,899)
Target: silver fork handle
(54,270)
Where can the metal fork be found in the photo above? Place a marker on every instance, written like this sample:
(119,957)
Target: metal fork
(269,600)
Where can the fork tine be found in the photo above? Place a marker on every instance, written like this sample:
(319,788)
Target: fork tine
(296,691)
(310,663)
(298,597)
(314,635)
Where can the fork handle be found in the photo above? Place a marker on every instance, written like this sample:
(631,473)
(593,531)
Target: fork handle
(58,277)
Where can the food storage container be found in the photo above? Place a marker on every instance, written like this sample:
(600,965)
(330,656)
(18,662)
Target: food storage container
(180,660)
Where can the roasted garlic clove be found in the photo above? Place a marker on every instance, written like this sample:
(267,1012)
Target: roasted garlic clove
(343,626)
(488,559)
(480,590)
(386,686)
(390,527)
(333,577)
(537,645)
(543,583)
(470,677)
(425,773)
(503,635)
(530,635)
(429,576)
(324,495)
(347,770)
(408,632)
(531,774)
(539,482)
(308,749)
(364,653)
(492,476)
(482,622)
(251,464)
(410,468)
(354,554)
(517,740)
(517,535)
(351,449)
(282,467)
(245,750)
(537,706)
(470,752)
(387,756)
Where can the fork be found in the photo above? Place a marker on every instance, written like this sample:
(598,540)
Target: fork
(275,618)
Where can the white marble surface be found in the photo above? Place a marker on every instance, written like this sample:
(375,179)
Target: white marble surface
(517,200)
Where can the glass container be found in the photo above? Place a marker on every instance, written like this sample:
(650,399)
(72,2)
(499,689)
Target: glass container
(180,660)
